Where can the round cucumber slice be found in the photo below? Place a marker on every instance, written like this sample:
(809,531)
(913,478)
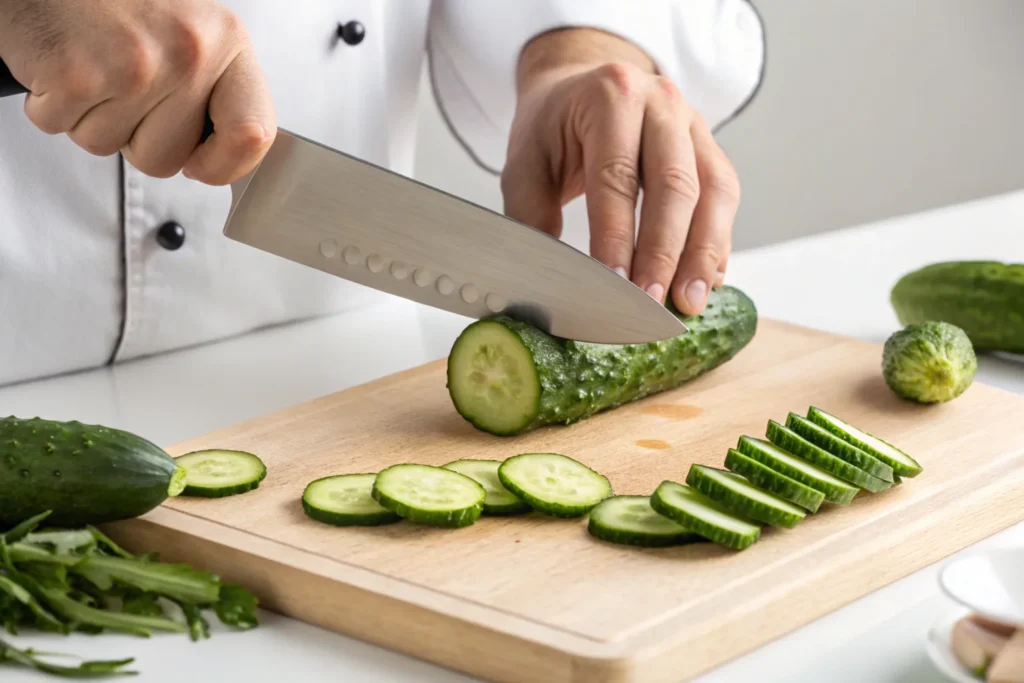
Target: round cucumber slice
(429,495)
(713,521)
(215,473)
(742,497)
(630,520)
(492,378)
(499,500)
(345,500)
(554,484)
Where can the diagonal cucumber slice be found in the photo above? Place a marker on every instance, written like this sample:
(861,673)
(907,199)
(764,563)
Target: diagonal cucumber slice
(769,480)
(901,463)
(692,509)
(554,484)
(743,498)
(499,500)
(827,441)
(429,495)
(791,442)
(630,520)
(836,490)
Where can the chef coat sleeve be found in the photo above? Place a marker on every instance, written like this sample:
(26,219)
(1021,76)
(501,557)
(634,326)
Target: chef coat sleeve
(712,49)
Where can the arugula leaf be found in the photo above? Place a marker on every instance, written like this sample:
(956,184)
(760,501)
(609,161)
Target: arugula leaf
(198,627)
(116,621)
(43,618)
(23,529)
(143,604)
(64,541)
(104,541)
(87,669)
(49,575)
(25,552)
(237,607)
(178,582)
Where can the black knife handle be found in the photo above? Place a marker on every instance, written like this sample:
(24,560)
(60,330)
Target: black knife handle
(9,85)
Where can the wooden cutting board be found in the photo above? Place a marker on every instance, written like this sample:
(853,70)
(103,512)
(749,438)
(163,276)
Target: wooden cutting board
(533,599)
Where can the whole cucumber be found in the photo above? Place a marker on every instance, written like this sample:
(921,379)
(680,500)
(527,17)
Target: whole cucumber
(983,298)
(507,377)
(84,474)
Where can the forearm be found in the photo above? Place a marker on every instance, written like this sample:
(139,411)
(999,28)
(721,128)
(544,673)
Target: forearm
(574,49)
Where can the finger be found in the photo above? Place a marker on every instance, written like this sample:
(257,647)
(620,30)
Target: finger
(59,110)
(671,189)
(529,193)
(244,125)
(611,150)
(166,138)
(709,242)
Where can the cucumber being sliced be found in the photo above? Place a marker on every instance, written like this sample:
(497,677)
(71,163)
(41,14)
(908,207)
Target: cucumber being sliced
(825,440)
(499,500)
(769,480)
(630,520)
(429,495)
(793,443)
(901,463)
(215,473)
(836,490)
(345,500)
(743,498)
(554,484)
(693,510)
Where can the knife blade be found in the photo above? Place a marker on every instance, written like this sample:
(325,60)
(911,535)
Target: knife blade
(328,210)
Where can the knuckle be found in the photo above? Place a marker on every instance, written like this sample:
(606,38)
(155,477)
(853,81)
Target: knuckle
(620,176)
(722,180)
(617,80)
(707,256)
(682,182)
(191,48)
(668,89)
(138,67)
(663,260)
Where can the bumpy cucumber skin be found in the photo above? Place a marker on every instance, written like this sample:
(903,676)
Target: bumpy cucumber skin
(833,493)
(900,469)
(830,443)
(345,519)
(929,362)
(739,504)
(578,380)
(793,443)
(453,519)
(545,506)
(194,491)
(983,298)
(85,474)
(611,534)
(730,539)
(769,480)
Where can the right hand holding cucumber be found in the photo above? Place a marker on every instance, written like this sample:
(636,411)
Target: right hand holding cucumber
(138,76)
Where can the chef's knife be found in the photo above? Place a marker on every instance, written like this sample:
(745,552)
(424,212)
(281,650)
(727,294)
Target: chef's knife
(338,214)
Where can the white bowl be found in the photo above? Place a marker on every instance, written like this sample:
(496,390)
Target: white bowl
(941,653)
(989,583)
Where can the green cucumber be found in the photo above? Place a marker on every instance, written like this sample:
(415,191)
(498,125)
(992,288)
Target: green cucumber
(743,498)
(630,520)
(929,362)
(345,500)
(82,473)
(836,490)
(499,500)
(506,377)
(832,444)
(554,484)
(983,298)
(769,480)
(901,463)
(216,472)
(693,510)
(793,443)
(429,495)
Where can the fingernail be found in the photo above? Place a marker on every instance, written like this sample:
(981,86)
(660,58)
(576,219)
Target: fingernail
(656,291)
(695,293)
(622,271)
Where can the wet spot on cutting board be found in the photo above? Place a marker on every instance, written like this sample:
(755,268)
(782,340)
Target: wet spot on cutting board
(653,444)
(672,411)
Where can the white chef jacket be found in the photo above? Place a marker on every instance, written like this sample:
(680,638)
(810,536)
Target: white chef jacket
(84,280)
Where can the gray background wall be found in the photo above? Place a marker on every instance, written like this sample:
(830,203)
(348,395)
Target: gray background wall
(868,110)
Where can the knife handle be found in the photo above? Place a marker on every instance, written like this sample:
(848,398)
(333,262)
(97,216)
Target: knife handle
(9,85)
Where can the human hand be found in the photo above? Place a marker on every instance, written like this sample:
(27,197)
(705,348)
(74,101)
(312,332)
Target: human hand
(138,76)
(592,117)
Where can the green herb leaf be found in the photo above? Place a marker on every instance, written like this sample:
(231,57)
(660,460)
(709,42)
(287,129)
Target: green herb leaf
(108,544)
(63,541)
(87,669)
(25,552)
(237,607)
(178,582)
(198,627)
(43,618)
(142,603)
(115,621)
(25,528)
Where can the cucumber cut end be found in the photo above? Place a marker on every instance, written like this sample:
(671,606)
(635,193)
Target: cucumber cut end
(492,379)
(178,481)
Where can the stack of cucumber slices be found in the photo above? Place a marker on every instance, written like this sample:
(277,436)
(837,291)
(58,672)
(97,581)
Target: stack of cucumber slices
(778,481)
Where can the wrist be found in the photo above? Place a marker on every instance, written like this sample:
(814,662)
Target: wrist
(561,53)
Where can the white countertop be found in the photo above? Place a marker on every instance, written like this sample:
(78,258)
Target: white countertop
(839,282)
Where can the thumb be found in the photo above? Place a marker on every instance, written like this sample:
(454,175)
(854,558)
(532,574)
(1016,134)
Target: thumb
(530,194)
